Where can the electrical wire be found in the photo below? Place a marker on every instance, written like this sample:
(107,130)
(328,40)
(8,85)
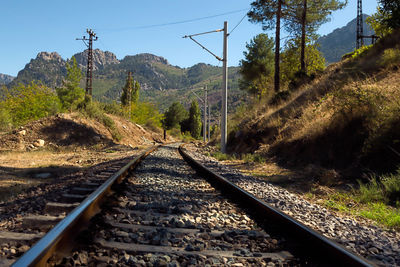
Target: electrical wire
(239,22)
(175,23)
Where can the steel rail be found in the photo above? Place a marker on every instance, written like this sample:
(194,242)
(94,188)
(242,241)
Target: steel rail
(75,221)
(322,248)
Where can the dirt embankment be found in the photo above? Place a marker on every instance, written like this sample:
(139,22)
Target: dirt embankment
(44,150)
(74,132)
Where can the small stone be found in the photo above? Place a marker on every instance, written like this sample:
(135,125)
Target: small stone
(22,133)
(44,175)
(374,250)
(23,248)
(39,143)
(121,234)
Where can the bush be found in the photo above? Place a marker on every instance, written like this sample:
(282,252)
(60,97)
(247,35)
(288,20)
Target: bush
(383,214)
(253,158)
(386,189)
(5,120)
(390,57)
(93,110)
(363,50)
(143,113)
(391,185)
(25,103)
(112,108)
(371,192)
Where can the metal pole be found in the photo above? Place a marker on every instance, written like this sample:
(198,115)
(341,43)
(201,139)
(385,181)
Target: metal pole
(205,116)
(224,91)
(209,126)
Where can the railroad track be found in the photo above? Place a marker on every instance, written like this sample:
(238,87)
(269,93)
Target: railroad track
(166,214)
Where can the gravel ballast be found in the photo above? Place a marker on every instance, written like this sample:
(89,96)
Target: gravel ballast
(372,242)
(167,205)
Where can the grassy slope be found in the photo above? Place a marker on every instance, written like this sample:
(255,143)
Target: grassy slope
(344,119)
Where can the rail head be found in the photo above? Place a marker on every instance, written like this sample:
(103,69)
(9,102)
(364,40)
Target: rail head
(320,243)
(39,253)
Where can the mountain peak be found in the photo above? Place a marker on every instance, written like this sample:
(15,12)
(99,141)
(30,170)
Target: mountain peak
(100,59)
(49,56)
(150,58)
(342,40)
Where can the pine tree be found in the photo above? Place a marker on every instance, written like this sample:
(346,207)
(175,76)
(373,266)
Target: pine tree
(70,94)
(305,17)
(135,93)
(257,67)
(391,10)
(175,114)
(126,96)
(269,13)
(195,120)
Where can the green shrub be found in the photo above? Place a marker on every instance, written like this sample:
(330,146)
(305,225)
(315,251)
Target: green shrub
(25,103)
(361,51)
(381,213)
(390,57)
(5,120)
(371,192)
(253,158)
(93,110)
(386,189)
(143,112)
(112,108)
(391,185)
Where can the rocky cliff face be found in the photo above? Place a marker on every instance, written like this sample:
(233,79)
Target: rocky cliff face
(5,79)
(49,68)
(100,59)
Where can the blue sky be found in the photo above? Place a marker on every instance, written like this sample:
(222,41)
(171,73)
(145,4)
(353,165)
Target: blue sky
(29,27)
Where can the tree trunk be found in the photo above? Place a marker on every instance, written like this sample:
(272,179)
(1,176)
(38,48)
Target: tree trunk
(303,37)
(277,45)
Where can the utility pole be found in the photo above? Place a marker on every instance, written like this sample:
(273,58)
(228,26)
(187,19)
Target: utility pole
(89,70)
(360,28)
(224,133)
(204,101)
(205,116)
(130,94)
(360,24)
(224,79)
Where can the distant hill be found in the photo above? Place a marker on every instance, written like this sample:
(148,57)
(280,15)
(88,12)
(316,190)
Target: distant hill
(161,82)
(343,40)
(5,79)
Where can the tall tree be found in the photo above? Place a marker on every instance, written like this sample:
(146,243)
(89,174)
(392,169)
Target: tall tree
(175,114)
(391,9)
(269,13)
(126,96)
(195,119)
(257,67)
(303,19)
(70,94)
(135,92)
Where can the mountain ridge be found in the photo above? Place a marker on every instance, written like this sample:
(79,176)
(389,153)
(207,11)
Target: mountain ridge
(342,40)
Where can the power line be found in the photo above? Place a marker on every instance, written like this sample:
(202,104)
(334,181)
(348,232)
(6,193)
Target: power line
(176,22)
(238,23)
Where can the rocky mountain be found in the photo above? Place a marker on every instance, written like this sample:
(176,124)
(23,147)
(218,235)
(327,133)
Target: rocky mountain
(49,68)
(161,82)
(5,79)
(100,59)
(342,40)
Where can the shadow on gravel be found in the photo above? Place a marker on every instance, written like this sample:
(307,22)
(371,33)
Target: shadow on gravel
(28,189)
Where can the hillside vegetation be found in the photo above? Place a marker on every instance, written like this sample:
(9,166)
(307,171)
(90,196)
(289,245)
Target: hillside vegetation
(346,119)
